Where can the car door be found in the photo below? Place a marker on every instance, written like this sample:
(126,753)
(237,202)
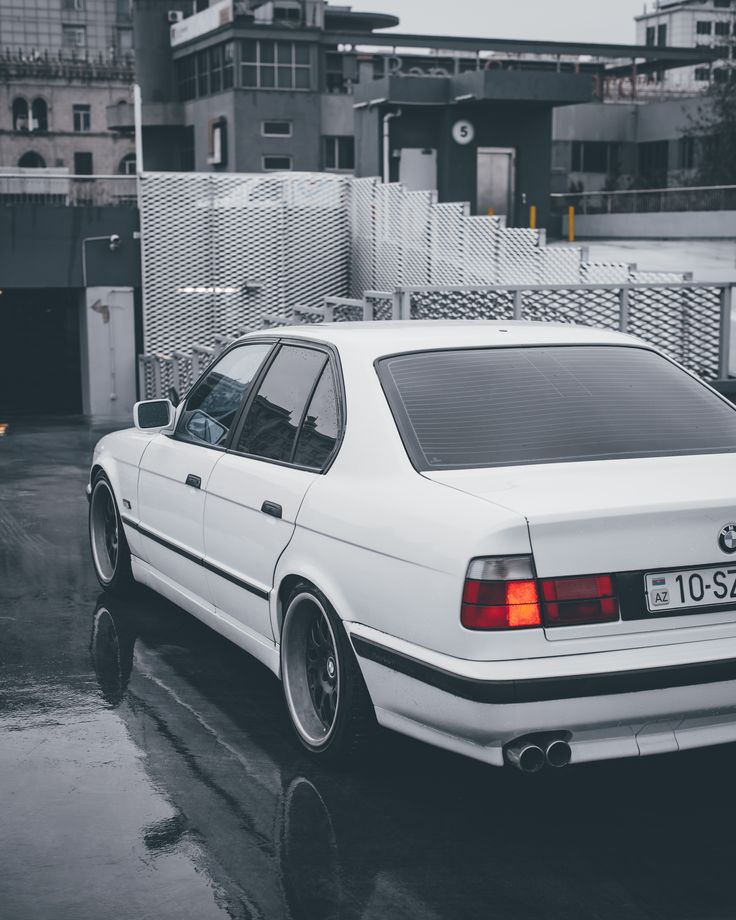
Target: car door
(174,471)
(288,434)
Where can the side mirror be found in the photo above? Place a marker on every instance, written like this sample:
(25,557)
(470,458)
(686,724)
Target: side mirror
(174,397)
(153,414)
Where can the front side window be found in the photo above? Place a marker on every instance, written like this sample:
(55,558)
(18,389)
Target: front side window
(212,406)
(489,407)
(275,415)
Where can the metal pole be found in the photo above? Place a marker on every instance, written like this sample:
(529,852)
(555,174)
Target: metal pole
(518,305)
(623,310)
(724,344)
(138,123)
(387,144)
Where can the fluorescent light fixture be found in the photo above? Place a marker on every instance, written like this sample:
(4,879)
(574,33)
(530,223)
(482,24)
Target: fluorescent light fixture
(208,290)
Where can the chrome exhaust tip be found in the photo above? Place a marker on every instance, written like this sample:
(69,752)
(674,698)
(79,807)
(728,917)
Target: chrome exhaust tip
(525,756)
(557,753)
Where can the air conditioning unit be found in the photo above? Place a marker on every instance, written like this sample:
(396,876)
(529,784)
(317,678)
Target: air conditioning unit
(175,15)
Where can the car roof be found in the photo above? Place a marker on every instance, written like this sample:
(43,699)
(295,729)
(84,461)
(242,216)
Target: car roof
(385,338)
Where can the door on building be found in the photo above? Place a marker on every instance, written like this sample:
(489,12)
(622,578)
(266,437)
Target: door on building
(40,371)
(418,169)
(496,181)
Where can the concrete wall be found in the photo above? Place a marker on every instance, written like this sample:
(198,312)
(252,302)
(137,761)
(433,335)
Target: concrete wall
(665,225)
(33,235)
(108,352)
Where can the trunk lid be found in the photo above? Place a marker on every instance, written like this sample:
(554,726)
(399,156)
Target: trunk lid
(618,516)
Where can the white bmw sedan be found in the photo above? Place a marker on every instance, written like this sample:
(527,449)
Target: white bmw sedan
(516,541)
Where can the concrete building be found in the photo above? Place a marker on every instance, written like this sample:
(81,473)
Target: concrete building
(63,63)
(690,24)
(254,86)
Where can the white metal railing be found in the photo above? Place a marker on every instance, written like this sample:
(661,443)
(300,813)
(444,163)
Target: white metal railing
(646,201)
(39,186)
(690,320)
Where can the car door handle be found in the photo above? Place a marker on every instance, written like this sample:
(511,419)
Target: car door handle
(194,481)
(272,508)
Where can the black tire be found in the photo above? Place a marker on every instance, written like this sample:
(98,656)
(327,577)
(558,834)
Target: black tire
(110,552)
(326,696)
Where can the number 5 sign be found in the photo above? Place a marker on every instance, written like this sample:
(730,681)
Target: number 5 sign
(463,132)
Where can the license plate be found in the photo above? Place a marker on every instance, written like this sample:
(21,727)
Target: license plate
(692,588)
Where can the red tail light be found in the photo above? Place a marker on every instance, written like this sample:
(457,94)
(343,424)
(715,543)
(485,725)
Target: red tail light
(502,593)
(571,601)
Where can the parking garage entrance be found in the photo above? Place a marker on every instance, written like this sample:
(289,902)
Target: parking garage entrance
(40,369)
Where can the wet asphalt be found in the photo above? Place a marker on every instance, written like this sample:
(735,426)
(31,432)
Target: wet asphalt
(147,771)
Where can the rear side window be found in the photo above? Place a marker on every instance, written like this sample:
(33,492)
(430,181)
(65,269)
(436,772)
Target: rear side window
(508,406)
(212,406)
(274,417)
(320,428)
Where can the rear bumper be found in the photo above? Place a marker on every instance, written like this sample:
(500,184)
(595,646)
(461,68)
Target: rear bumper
(610,713)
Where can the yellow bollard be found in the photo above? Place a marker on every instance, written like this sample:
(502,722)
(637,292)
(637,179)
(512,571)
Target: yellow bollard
(533,217)
(571,224)
(491,212)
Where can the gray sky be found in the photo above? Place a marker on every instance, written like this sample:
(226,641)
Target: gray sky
(555,20)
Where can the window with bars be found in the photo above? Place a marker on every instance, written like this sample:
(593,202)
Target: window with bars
(651,36)
(187,78)
(73,36)
(266,64)
(338,152)
(723,27)
(703,27)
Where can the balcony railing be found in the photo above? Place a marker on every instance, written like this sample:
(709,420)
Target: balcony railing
(649,201)
(39,186)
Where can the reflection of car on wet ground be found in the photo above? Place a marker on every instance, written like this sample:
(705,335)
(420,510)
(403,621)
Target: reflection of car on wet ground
(509,540)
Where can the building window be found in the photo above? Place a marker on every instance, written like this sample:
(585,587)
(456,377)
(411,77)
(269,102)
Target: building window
(276,128)
(228,67)
(74,36)
(341,71)
(203,73)
(31,160)
(77,5)
(20,114)
(269,64)
(125,40)
(653,159)
(338,152)
(215,64)
(651,36)
(595,157)
(206,72)
(686,153)
(127,166)
(83,164)
(722,4)
(662,35)
(721,75)
(123,9)
(723,27)
(703,27)
(272,162)
(702,74)
(39,115)
(82,117)
(187,78)
(217,146)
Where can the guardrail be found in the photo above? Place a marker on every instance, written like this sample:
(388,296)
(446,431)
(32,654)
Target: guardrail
(649,201)
(64,190)
(689,320)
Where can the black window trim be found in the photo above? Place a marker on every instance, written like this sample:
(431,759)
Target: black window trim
(333,362)
(393,398)
(222,448)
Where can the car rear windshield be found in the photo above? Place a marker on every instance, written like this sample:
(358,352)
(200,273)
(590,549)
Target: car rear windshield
(486,407)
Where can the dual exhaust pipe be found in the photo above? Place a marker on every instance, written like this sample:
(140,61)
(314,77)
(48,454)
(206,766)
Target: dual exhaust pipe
(532,753)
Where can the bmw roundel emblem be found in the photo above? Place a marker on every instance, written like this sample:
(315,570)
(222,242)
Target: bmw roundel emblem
(727,538)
